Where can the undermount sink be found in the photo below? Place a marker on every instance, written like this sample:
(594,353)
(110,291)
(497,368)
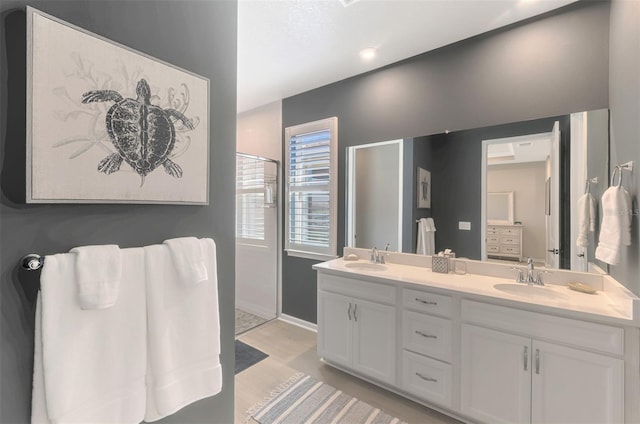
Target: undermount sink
(530,291)
(365,266)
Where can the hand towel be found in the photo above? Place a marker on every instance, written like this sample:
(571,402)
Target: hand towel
(187,254)
(184,333)
(615,230)
(98,273)
(89,365)
(586,208)
(426,237)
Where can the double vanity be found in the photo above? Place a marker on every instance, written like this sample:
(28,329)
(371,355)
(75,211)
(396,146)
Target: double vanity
(479,346)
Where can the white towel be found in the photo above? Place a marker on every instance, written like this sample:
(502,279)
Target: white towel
(187,254)
(586,219)
(98,273)
(426,237)
(615,230)
(89,365)
(184,334)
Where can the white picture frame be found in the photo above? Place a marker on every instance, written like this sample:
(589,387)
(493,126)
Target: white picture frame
(89,138)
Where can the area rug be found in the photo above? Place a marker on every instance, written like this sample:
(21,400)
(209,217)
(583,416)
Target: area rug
(303,399)
(247,356)
(245,321)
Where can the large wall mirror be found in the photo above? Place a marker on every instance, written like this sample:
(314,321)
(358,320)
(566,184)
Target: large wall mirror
(543,163)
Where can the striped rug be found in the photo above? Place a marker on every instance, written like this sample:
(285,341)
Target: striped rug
(304,399)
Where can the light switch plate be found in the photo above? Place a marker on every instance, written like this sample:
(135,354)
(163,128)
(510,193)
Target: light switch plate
(464,225)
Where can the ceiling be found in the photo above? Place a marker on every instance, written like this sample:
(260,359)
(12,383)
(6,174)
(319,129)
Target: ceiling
(286,47)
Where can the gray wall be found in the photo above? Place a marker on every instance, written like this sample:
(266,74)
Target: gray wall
(624,102)
(549,66)
(198,36)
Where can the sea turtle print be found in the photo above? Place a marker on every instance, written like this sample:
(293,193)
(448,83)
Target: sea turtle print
(143,134)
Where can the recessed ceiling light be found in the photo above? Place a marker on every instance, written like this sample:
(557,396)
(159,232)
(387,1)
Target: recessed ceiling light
(368,53)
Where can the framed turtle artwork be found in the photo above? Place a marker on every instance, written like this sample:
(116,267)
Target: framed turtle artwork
(108,124)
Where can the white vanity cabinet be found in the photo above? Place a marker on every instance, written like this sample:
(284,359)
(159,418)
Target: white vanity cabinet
(510,375)
(357,326)
(504,241)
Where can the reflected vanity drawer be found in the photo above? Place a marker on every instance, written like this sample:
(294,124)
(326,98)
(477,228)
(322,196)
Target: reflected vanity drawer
(512,250)
(510,231)
(493,248)
(493,239)
(509,240)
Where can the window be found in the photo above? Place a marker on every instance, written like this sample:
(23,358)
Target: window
(250,200)
(311,189)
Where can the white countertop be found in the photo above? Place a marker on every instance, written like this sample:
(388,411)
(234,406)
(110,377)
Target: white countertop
(558,299)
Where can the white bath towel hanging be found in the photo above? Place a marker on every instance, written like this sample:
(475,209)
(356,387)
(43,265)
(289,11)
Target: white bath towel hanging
(184,333)
(188,258)
(586,219)
(89,365)
(98,274)
(615,230)
(426,237)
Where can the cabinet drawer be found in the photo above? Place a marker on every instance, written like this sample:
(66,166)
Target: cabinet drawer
(427,335)
(493,239)
(510,240)
(493,248)
(599,337)
(427,378)
(492,230)
(509,249)
(510,231)
(366,290)
(427,302)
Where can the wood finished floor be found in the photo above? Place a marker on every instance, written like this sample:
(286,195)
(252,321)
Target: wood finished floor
(292,349)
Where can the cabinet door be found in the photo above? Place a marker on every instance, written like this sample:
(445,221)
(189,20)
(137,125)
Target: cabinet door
(574,386)
(334,327)
(374,350)
(495,376)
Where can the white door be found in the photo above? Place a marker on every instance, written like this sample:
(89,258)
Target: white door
(335,331)
(256,236)
(573,386)
(495,376)
(553,211)
(375,340)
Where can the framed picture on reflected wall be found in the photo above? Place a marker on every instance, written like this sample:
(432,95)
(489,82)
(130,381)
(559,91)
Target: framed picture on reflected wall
(424,188)
(108,124)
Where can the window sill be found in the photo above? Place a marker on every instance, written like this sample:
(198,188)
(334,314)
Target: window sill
(310,255)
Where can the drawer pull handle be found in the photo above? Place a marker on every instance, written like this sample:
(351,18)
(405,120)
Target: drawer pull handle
(355,312)
(537,361)
(426,302)
(429,336)
(431,379)
(526,357)
(349,311)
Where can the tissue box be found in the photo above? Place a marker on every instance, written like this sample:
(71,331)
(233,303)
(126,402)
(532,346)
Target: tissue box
(440,264)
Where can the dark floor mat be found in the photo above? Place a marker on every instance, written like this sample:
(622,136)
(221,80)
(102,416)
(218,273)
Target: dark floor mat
(247,356)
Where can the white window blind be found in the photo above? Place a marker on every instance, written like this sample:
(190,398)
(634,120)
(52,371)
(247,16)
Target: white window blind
(250,183)
(311,188)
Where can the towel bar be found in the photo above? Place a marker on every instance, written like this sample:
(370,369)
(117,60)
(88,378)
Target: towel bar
(32,262)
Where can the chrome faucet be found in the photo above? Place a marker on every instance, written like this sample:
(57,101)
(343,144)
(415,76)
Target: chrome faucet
(376,257)
(530,279)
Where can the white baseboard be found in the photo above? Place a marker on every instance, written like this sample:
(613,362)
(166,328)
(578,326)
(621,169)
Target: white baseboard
(255,309)
(299,322)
